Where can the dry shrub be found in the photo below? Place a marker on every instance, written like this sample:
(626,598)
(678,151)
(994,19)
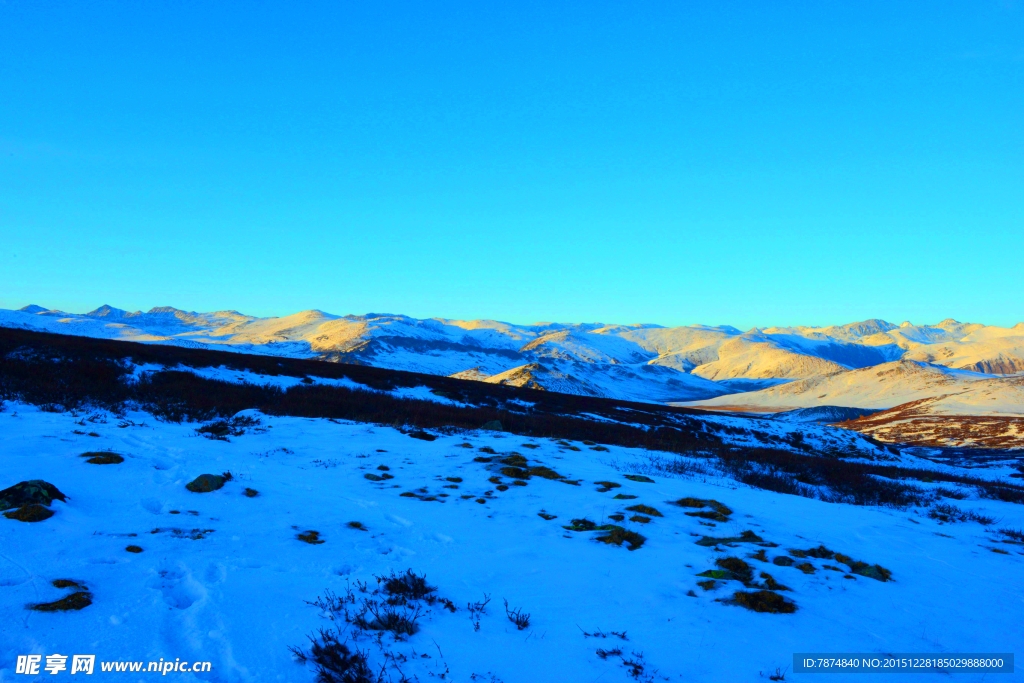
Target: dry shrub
(764,601)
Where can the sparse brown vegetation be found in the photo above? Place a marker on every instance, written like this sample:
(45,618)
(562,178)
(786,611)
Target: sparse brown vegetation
(102,458)
(737,568)
(763,601)
(618,536)
(311,537)
(771,584)
(744,537)
(74,602)
(645,510)
(872,571)
(30,513)
(719,512)
(950,513)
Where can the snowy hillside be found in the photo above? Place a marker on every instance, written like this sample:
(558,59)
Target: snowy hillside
(623,382)
(316,513)
(956,392)
(901,402)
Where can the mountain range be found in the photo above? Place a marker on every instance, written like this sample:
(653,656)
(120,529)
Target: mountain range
(968,368)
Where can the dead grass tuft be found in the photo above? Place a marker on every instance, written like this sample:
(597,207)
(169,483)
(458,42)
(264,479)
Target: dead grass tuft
(744,537)
(73,602)
(544,472)
(311,537)
(717,512)
(30,513)
(738,568)
(102,458)
(619,536)
(515,472)
(645,510)
(409,585)
(771,584)
(871,571)
(764,601)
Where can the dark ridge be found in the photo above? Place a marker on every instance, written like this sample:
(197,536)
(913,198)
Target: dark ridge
(63,372)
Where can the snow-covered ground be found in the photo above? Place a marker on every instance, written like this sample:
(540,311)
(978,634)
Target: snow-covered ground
(237,596)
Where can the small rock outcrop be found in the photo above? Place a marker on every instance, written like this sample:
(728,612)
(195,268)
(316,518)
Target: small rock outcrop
(32,492)
(205,483)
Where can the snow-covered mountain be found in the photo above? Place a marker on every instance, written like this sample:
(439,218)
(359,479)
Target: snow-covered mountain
(800,366)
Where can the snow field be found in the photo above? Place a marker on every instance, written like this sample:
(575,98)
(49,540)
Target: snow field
(237,596)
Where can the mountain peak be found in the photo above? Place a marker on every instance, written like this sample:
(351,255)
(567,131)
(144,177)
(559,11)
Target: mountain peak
(107,311)
(33,308)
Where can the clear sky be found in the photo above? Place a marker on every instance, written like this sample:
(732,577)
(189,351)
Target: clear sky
(749,163)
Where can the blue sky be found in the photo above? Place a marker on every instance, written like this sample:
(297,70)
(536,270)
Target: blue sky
(747,163)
